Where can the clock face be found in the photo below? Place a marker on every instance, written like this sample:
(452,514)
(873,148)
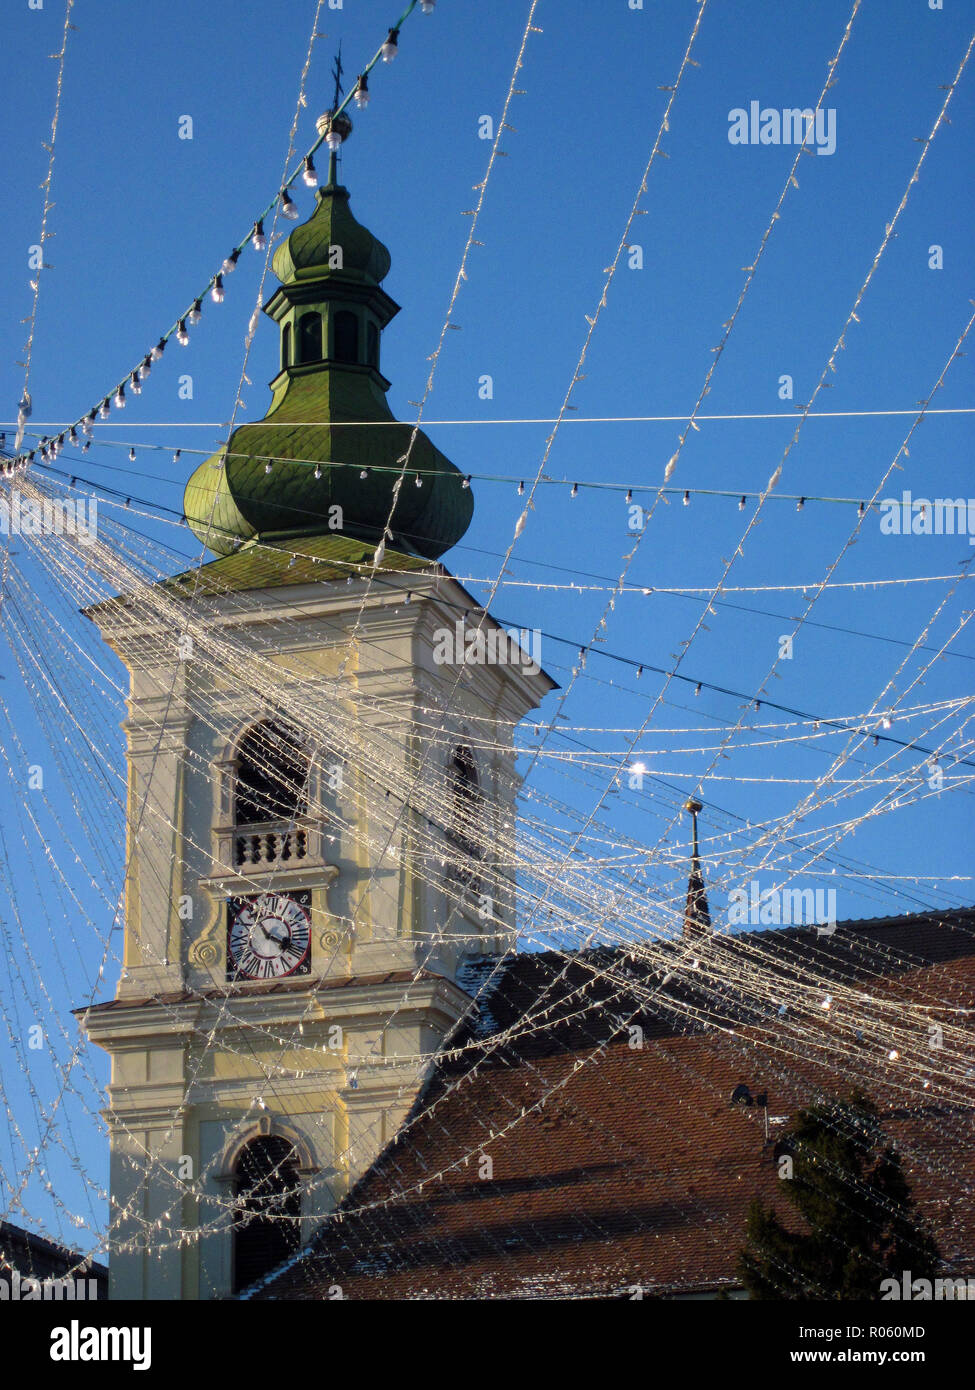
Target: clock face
(268,937)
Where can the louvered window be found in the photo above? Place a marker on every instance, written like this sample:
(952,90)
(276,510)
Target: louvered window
(267,1208)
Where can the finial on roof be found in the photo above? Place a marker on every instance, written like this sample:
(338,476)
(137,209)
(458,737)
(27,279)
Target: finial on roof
(335,128)
(697,917)
(337,74)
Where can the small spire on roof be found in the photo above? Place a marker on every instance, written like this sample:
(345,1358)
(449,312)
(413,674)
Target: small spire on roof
(697,918)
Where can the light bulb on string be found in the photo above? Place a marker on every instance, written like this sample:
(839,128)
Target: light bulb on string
(308,172)
(800,504)
(196,313)
(629,494)
(288,207)
(87,423)
(687,499)
(216,292)
(467,481)
(135,385)
(158,350)
(86,446)
(391,47)
(887,722)
(418,481)
(361,94)
(258,239)
(119,401)
(146,366)
(318,471)
(73,436)
(741,504)
(182,337)
(267,466)
(176,455)
(230,264)
(132,455)
(364,473)
(426,6)
(575,490)
(521,489)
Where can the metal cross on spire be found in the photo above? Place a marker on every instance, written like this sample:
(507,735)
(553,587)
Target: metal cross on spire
(330,124)
(337,71)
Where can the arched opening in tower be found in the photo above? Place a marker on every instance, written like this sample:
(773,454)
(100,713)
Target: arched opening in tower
(267,1208)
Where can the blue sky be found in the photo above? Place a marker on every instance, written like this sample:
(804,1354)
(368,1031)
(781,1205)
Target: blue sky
(143,219)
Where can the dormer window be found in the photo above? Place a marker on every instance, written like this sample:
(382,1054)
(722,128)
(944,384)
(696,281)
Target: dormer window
(310,338)
(345,336)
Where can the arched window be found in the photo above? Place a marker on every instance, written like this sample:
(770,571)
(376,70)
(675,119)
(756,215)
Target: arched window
(465,802)
(272,772)
(345,332)
(372,343)
(267,1208)
(310,338)
(286,346)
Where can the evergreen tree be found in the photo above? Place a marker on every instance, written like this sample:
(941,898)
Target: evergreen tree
(858,1222)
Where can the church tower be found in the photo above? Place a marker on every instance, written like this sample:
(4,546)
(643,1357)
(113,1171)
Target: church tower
(321,806)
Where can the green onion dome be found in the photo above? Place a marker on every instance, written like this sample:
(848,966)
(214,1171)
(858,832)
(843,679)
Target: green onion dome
(328,455)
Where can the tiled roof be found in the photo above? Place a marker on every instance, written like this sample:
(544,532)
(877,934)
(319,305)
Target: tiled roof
(35,1256)
(616,1166)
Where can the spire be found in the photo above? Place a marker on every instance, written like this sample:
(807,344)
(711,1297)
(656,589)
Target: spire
(328,456)
(697,918)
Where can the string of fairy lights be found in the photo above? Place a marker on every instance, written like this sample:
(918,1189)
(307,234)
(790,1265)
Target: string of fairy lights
(578,884)
(331,135)
(38,263)
(391,36)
